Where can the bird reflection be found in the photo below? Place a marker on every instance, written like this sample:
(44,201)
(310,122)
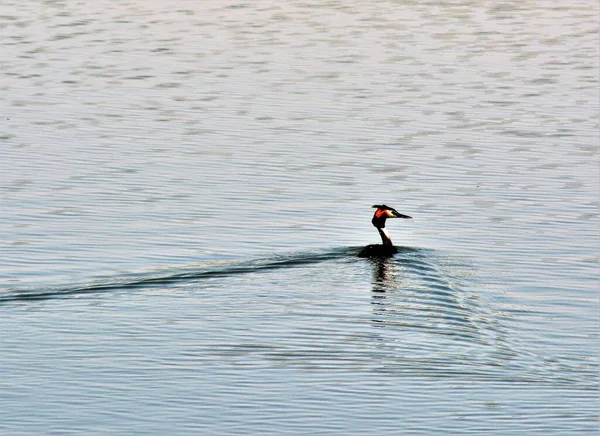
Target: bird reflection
(381,274)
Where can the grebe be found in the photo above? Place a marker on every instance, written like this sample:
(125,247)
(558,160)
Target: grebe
(386,249)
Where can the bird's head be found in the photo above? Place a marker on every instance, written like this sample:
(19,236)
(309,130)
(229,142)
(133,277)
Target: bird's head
(384,212)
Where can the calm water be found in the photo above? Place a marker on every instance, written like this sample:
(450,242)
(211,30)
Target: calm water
(185,186)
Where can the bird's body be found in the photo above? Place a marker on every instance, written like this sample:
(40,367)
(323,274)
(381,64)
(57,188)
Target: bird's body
(386,249)
(378,250)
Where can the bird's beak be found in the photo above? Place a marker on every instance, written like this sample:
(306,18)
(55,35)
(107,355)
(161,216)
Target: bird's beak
(395,214)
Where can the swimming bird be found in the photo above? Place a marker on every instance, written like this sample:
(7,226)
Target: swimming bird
(386,249)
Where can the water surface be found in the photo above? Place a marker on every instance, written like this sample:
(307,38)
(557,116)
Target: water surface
(184,190)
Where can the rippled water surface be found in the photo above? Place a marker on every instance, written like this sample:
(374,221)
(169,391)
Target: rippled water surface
(185,188)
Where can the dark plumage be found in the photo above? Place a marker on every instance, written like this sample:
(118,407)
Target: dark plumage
(386,249)
(377,250)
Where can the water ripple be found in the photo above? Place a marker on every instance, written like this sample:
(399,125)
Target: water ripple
(167,276)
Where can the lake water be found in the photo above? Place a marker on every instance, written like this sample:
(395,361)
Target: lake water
(185,187)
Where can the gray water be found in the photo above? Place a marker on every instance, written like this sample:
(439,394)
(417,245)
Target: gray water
(185,187)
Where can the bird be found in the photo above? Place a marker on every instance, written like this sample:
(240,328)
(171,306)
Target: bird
(386,249)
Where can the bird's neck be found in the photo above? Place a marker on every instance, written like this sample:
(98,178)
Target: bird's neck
(385,236)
